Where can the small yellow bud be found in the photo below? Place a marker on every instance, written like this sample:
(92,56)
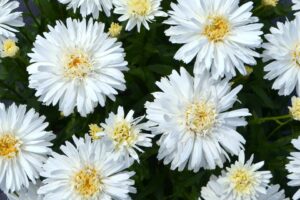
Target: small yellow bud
(94,130)
(114,29)
(249,70)
(295,109)
(272,3)
(9,48)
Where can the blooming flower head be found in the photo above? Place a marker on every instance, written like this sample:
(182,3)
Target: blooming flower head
(89,7)
(24,146)
(29,193)
(220,34)
(114,29)
(77,65)
(216,191)
(242,180)
(86,170)
(282,51)
(293,168)
(9,48)
(9,19)
(193,116)
(296,6)
(126,134)
(138,12)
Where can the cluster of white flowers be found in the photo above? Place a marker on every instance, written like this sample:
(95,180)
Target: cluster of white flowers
(77,65)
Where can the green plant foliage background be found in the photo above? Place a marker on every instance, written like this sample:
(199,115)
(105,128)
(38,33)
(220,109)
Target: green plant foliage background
(150,57)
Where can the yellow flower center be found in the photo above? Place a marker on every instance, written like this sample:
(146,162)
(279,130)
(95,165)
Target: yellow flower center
(88,182)
(9,146)
(216,29)
(272,3)
(295,109)
(77,64)
(94,129)
(139,7)
(10,49)
(200,117)
(122,133)
(296,55)
(114,29)
(242,180)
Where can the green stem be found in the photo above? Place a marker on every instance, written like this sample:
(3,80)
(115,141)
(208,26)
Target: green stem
(266,119)
(279,127)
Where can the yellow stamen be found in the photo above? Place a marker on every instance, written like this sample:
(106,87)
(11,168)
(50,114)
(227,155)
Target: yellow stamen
(9,49)
(139,7)
(114,29)
(242,180)
(200,117)
(295,109)
(272,3)
(123,133)
(217,28)
(87,182)
(9,146)
(94,129)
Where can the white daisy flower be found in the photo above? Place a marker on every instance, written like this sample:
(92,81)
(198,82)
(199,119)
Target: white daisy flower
(138,12)
(216,191)
(126,134)
(89,7)
(220,34)
(77,65)
(293,168)
(9,19)
(296,6)
(24,146)
(283,50)
(29,193)
(86,171)
(243,181)
(193,117)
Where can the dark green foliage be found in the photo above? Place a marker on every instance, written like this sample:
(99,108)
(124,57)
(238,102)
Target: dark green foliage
(150,57)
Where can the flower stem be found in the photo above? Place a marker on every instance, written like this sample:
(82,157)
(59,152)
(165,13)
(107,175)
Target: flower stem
(266,119)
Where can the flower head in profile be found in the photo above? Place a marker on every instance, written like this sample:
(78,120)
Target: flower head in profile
(89,7)
(75,68)
(221,35)
(86,170)
(138,12)
(24,146)
(293,168)
(9,19)
(295,108)
(29,193)
(194,118)
(282,52)
(126,133)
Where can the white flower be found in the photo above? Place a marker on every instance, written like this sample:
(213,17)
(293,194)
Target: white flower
(283,50)
(296,6)
(24,146)
(9,19)
(138,12)
(293,168)
(77,65)
(29,193)
(192,116)
(86,171)
(126,134)
(88,7)
(216,191)
(243,181)
(220,34)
